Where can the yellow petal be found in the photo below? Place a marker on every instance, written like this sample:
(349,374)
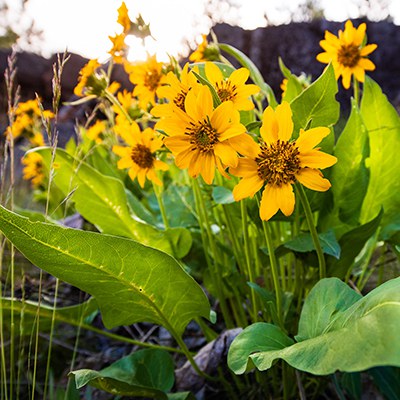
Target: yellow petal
(141,176)
(227,154)
(359,73)
(313,179)
(239,77)
(317,159)
(346,78)
(269,205)
(177,143)
(368,49)
(325,58)
(213,73)
(195,164)
(121,151)
(234,130)
(125,162)
(161,165)
(247,187)
(310,138)
(368,65)
(204,102)
(360,34)
(269,128)
(246,167)
(191,106)
(284,116)
(208,171)
(223,116)
(182,160)
(245,145)
(285,199)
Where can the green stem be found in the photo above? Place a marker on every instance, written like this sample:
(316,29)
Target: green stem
(274,271)
(313,230)
(356,88)
(160,200)
(214,267)
(114,100)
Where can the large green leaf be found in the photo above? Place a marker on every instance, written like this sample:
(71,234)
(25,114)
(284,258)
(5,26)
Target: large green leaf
(383,124)
(349,176)
(145,373)
(316,105)
(131,282)
(102,200)
(26,314)
(339,329)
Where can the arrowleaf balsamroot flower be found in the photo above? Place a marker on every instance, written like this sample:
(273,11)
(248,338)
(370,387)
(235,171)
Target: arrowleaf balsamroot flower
(347,53)
(148,76)
(279,163)
(233,88)
(140,157)
(33,168)
(203,138)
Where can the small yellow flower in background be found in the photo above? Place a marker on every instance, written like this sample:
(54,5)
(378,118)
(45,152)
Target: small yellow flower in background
(147,76)
(175,91)
(123,18)
(119,50)
(347,53)
(233,88)
(88,82)
(280,162)
(140,157)
(28,122)
(95,132)
(283,86)
(33,168)
(130,104)
(205,52)
(203,138)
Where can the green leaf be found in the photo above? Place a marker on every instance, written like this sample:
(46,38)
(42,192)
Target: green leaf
(349,176)
(351,243)
(258,337)
(102,200)
(26,314)
(131,282)
(339,329)
(145,373)
(294,86)
(214,94)
(255,74)
(222,195)
(304,243)
(383,124)
(387,379)
(317,105)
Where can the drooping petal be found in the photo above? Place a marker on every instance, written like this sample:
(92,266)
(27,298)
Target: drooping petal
(269,128)
(313,179)
(269,205)
(346,78)
(307,140)
(208,171)
(226,153)
(284,116)
(247,187)
(195,164)
(285,199)
(317,159)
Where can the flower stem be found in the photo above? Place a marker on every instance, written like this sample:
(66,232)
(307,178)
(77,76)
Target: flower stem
(113,100)
(313,230)
(356,89)
(160,201)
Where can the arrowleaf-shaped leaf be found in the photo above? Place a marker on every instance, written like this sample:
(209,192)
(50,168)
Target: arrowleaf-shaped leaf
(338,329)
(131,282)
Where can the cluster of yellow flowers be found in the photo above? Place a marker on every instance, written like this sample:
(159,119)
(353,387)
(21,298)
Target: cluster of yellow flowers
(196,116)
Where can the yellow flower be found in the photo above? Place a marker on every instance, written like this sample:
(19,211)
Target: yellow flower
(175,92)
(233,88)
(130,104)
(205,52)
(123,18)
(203,138)
(280,162)
(147,76)
(140,156)
(96,130)
(33,168)
(119,49)
(347,53)
(86,77)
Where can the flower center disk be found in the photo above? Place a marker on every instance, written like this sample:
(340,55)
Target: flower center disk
(142,156)
(278,163)
(152,79)
(204,136)
(226,90)
(349,55)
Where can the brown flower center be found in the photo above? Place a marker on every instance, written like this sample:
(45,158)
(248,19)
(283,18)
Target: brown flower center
(278,163)
(152,80)
(179,100)
(226,90)
(142,156)
(204,136)
(349,55)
